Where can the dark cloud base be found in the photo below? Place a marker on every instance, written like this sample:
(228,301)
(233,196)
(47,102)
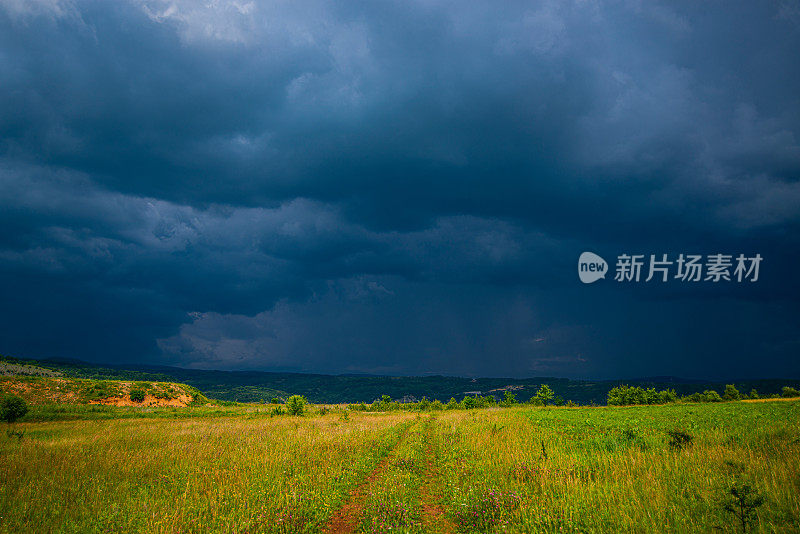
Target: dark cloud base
(400,188)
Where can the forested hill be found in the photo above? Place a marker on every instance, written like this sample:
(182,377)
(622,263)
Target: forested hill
(256,386)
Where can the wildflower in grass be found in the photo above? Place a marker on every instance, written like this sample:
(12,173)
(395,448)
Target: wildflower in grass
(491,509)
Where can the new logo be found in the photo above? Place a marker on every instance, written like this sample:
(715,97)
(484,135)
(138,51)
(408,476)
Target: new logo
(591,267)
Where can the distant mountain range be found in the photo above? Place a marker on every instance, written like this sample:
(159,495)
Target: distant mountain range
(257,386)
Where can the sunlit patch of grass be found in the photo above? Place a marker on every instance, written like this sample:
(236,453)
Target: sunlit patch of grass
(523,469)
(217,474)
(616,469)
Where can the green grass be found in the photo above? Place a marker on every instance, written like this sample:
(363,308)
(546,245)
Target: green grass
(613,470)
(522,469)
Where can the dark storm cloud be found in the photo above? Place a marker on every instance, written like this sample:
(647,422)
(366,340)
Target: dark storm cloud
(396,187)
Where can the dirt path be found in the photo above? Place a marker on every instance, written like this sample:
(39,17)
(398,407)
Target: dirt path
(346,519)
(434,518)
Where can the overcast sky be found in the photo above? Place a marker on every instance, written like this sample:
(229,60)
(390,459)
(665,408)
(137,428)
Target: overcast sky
(399,187)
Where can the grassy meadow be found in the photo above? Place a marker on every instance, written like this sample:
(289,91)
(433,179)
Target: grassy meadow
(519,469)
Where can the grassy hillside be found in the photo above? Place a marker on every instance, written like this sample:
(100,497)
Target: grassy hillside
(590,470)
(65,390)
(253,386)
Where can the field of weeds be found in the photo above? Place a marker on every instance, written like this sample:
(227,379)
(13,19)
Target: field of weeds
(639,469)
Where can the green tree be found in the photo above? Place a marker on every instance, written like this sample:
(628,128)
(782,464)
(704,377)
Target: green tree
(12,408)
(424,404)
(788,392)
(137,395)
(509,399)
(296,405)
(754,394)
(742,501)
(731,393)
(544,395)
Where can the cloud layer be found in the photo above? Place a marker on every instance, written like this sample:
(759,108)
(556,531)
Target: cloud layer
(398,187)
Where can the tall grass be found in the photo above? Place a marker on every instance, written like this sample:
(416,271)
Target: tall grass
(613,469)
(523,469)
(222,475)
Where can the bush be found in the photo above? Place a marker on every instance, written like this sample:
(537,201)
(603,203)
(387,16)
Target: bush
(625,395)
(544,395)
(754,394)
(678,439)
(12,408)
(742,500)
(666,396)
(452,404)
(275,400)
(788,392)
(137,395)
(296,405)
(509,399)
(731,393)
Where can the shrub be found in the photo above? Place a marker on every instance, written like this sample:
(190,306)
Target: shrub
(544,395)
(509,399)
(754,394)
(629,395)
(731,393)
(277,410)
(12,408)
(424,404)
(788,392)
(19,434)
(468,403)
(437,405)
(666,396)
(678,439)
(452,404)
(742,500)
(137,395)
(711,396)
(296,405)
(481,402)
(275,400)
(625,395)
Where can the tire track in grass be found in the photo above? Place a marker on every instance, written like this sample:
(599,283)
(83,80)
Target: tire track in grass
(434,518)
(347,518)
